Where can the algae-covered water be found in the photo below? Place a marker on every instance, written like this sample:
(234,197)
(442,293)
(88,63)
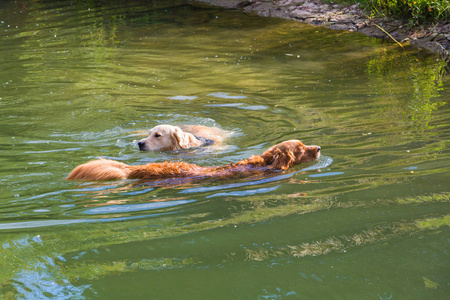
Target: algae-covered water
(79,80)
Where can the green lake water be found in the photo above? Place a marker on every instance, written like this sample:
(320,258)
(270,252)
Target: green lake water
(81,79)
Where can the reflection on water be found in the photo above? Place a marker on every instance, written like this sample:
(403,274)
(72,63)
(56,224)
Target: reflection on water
(343,243)
(83,80)
(388,69)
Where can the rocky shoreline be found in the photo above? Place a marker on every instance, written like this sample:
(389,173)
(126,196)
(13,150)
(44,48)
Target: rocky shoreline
(435,37)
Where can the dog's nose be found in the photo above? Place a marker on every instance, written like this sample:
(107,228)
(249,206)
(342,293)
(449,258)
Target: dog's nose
(141,145)
(318,148)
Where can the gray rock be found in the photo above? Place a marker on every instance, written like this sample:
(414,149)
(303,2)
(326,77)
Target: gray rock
(301,14)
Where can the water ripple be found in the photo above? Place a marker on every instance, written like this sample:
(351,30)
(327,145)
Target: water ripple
(226,96)
(134,207)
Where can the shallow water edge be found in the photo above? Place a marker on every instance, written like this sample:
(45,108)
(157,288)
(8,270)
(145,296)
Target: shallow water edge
(435,37)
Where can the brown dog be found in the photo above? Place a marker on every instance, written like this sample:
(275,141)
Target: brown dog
(168,137)
(281,156)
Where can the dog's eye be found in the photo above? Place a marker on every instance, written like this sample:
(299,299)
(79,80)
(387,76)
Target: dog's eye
(157,135)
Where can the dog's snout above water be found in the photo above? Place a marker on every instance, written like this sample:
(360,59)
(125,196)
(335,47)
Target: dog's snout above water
(141,145)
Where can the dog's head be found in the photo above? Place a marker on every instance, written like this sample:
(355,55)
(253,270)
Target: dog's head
(290,153)
(167,137)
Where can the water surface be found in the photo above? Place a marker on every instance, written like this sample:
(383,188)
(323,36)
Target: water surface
(369,220)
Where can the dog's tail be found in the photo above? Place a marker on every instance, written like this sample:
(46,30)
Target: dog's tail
(100,169)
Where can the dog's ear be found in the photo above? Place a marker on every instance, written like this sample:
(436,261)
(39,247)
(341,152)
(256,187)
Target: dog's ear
(279,158)
(283,159)
(181,139)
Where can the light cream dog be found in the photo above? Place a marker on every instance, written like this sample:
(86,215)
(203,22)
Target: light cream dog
(168,137)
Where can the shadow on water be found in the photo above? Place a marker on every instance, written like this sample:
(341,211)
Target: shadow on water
(82,80)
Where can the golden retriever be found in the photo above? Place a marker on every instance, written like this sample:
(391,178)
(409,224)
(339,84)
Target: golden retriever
(169,137)
(278,157)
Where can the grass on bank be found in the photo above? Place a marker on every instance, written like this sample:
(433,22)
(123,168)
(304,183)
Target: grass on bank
(416,11)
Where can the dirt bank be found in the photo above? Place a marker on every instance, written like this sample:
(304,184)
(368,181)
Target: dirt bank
(435,38)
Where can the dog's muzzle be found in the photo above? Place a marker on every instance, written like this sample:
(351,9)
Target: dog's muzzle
(141,146)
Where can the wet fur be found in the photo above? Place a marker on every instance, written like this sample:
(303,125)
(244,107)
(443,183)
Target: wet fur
(278,157)
(169,137)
